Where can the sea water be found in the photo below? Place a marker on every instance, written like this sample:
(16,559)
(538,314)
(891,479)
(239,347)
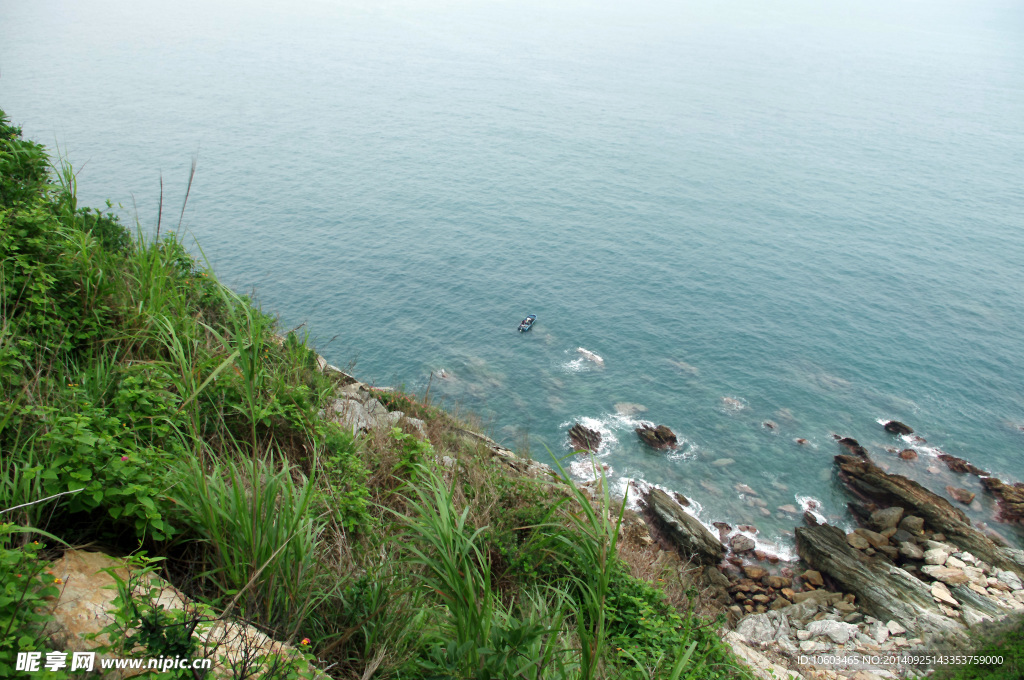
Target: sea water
(802,212)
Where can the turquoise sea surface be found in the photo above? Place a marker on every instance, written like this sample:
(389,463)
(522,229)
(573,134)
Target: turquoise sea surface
(803,212)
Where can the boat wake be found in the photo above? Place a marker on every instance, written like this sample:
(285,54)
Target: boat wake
(585,362)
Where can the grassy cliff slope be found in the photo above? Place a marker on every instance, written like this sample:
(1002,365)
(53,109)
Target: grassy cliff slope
(149,410)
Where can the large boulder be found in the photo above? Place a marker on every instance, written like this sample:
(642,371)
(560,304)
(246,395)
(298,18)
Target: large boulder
(837,631)
(684,531)
(360,416)
(583,438)
(86,605)
(660,437)
(879,488)
(896,427)
(764,627)
(741,543)
(959,495)
(887,518)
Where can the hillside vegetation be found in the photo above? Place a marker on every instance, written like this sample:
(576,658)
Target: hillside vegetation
(148,410)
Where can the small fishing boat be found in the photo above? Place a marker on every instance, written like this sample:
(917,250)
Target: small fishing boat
(527,323)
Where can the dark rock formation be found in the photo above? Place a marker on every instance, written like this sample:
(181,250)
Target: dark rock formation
(1010,499)
(869,482)
(854,446)
(896,427)
(583,438)
(960,465)
(908,454)
(688,535)
(960,495)
(659,437)
(883,590)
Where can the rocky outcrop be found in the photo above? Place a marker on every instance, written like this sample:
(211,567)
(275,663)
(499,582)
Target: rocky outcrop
(357,408)
(523,466)
(583,438)
(660,437)
(1010,499)
(86,604)
(688,535)
(853,445)
(896,427)
(880,489)
(960,465)
(759,663)
(883,590)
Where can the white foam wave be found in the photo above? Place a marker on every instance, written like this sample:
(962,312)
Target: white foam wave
(733,404)
(929,451)
(812,505)
(587,354)
(776,546)
(587,469)
(694,509)
(634,489)
(575,366)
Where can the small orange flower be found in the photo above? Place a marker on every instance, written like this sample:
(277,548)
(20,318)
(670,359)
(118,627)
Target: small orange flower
(57,581)
(305,641)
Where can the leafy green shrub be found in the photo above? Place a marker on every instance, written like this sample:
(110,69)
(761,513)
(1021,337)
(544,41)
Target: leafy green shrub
(24,583)
(106,228)
(414,454)
(93,451)
(141,623)
(24,167)
(645,630)
(342,483)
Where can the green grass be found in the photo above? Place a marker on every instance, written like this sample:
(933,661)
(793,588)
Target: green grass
(1004,641)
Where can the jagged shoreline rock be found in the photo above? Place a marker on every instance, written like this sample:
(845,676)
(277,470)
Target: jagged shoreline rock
(660,437)
(1010,499)
(583,438)
(879,489)
(898,428)
(689,536)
